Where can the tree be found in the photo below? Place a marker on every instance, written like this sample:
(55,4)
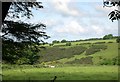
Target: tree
(63,41)
(109,36)
(21,40)
(115,14)
(68,44)
(118,40)
(55,41)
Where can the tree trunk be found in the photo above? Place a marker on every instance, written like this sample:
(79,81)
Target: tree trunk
(5,8)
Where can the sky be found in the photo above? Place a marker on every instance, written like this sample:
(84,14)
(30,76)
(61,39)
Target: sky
(75,20)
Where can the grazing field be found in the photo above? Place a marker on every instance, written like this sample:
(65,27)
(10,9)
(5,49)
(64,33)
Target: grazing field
(84,60)
(63,73)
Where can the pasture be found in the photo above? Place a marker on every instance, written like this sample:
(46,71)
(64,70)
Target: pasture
(63,73)
(85,60)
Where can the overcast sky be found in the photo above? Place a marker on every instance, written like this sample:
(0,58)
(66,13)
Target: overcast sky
(75,20)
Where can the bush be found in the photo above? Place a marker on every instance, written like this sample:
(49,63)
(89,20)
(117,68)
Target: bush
(68,44)
(55,41)
(51,44)
(106,62)
(110,42)
(99,43)
(95,48)
(109,36)
(113,61)
(56,53)
(116,61)
(118,40)
(22,61)
(63,41)
(86,60)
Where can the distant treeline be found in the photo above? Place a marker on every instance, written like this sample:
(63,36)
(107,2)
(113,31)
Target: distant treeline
(106,37)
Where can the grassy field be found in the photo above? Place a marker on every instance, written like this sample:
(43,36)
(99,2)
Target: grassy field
(63,73)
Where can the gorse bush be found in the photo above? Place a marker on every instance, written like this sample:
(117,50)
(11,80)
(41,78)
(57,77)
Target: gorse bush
(95,48)
(114,61)
(106,62)
(86,60)
(118,39)
(68,44)
(110,42)
(55,53)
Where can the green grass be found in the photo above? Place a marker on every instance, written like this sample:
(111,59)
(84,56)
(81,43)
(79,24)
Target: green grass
(63,73)
(109,53)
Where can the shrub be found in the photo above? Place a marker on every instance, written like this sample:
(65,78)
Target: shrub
(100,57)
(22,61)
(68,44)
(51,44)
(99,43)
(110,42)
(56,53)
(95,48)
(106,62)
(109,36)
(63,41)
(86,60)
(114,61)
(118,40)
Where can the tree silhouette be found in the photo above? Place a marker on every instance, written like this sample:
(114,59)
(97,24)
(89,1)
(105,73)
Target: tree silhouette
(21,40)
(115,14)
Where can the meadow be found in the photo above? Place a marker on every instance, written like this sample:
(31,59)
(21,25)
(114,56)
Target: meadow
(63,73)
(84,60)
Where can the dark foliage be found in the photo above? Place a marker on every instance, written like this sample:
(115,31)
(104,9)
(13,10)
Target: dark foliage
(23,31)
(109,36)
(114,61)
(95,48)
(86,60)
(110,42)
(55,41)
(99,42)
(68,44)
(23,9)
(55,53)
(51,44)
(20,52)
(63,41)
(118,40)
(21,40)
(115,14)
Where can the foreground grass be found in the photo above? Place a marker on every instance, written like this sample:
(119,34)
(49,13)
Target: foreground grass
(63,73)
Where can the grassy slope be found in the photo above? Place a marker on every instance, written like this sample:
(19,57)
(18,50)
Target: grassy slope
(109,53)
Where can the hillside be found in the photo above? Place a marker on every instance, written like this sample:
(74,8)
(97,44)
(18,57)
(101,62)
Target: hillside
(95,52)
(85,60)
